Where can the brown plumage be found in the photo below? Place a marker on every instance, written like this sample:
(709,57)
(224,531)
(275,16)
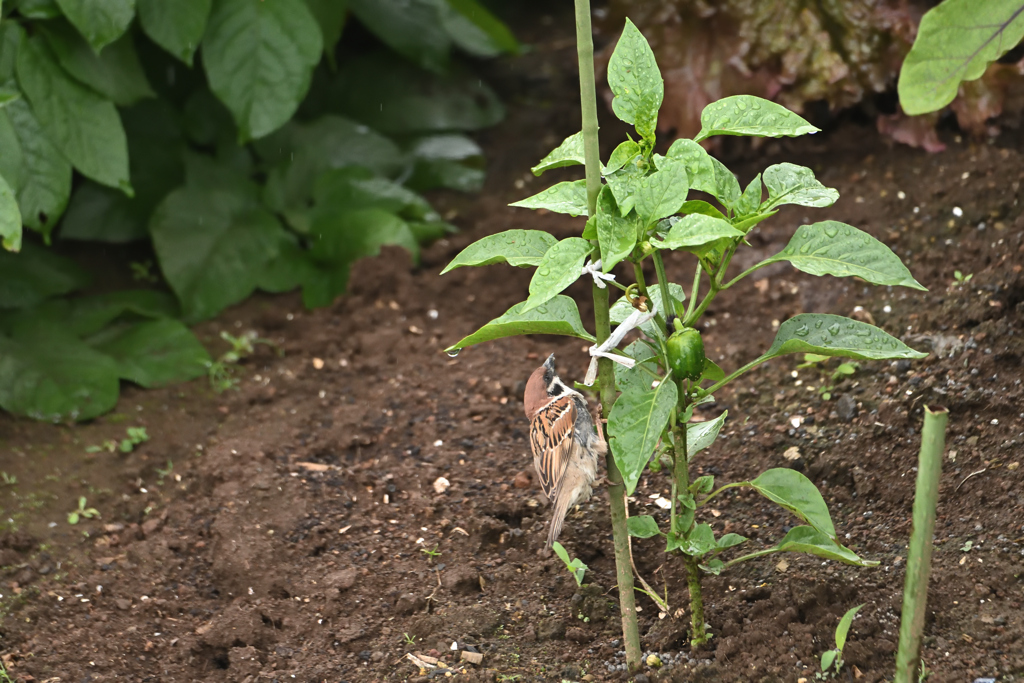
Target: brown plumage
(565,446)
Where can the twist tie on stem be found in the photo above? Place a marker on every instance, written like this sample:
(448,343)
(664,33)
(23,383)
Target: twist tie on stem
(604,350)
(594,270)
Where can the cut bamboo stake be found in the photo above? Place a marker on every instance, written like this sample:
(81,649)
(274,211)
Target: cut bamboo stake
(620,535)
(919,557)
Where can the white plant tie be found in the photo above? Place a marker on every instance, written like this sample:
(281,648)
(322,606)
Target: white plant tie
(594,270)
(635,320)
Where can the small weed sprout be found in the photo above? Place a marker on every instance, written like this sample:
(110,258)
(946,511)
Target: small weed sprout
(136,436)
(164,473)
(833,659)
(431,553)
(966,547)
(962,279)
(409,640)
(88,513)
(575,566)
(142,271)
(8,479)
(221,371)
(813,360)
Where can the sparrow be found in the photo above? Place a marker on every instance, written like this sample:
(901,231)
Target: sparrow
(565,445)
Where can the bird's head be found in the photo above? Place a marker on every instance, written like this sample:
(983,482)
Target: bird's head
(542,386)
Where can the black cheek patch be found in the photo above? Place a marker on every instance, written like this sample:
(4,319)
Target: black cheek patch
(555,390)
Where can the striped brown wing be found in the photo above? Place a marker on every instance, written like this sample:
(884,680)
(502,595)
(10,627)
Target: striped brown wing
(551,438)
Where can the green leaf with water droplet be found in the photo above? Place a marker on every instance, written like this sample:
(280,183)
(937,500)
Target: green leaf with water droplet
(558,316)
(635,379)
(617,235)
(792,184)
(805,539)
(956,41)
(625,183)
(625,152)
(696,230)
(642,526)
(795,492)
(700,435)
(750,199)
(565,197)
(749,115)
(635,425)
(834,248)
(635,80)
(662,193)
(519,248)
(569,153)
(561,266)
(701,207)
(834,335)
(700,171)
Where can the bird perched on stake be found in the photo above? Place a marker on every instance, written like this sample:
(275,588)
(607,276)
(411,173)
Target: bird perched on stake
(564,443)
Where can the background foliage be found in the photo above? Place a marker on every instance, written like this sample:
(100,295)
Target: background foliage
(251,142)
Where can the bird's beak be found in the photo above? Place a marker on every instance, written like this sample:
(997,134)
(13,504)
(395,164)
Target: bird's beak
(550,363)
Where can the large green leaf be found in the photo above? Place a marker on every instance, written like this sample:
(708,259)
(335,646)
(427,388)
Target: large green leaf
(662,193)
(795,492)
(411,28)
(792,184)
(34,167)
(390,94)
(50,375)
(625,184)
(621,155)
(635,379)
(177,26)
(749,115)
(211,245)
(700,541)
(294,267)
(115,73)
(10,218)
(259,58)
(727,188)
(519,248)
(834,335)
(449,160)
(750,200)
(642,526)
(617,235)
(100,21)
(155,146)
(696,230)
(635,425)
(304,151)
(93,140)
(476,30)
(700,435)
(561,266)
(805,539)
(154,353)
(569,153)
(341,236)
(11,35)
(357,188)
(834,248)
(558,316)
(565,197)
(956,41)
(635,81)
(86,315)
(36,274)
(36,9)
(331,16)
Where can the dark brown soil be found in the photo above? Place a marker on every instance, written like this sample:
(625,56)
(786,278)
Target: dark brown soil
(290,540)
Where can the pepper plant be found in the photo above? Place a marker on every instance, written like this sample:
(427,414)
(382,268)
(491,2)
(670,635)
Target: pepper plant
(638,206)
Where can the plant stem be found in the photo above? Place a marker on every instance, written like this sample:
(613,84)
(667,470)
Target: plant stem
(668,308)
(681,482)
(694,290)
(736,373)
(723,488)
(919,555)
(602,323)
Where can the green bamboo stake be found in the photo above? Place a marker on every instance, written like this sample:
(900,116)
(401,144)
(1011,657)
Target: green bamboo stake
(606,373)
(919,557)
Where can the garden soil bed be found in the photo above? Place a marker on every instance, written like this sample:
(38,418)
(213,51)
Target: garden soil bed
(278,532)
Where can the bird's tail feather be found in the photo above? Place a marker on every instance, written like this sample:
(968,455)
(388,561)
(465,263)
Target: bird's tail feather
(561,509)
